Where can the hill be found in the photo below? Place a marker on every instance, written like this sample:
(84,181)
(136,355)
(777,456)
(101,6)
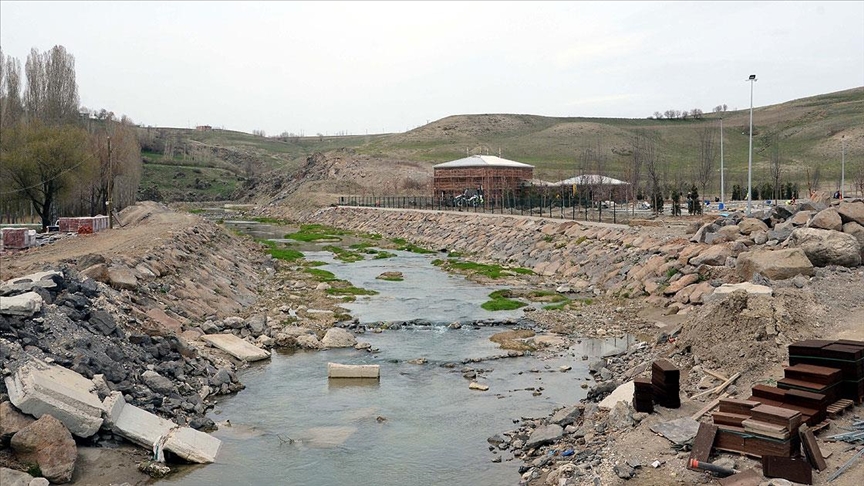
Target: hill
(804,135)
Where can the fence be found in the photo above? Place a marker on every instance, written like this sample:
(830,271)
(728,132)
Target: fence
(571,208)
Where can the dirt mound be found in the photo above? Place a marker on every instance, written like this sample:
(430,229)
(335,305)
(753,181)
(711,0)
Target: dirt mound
(749,333)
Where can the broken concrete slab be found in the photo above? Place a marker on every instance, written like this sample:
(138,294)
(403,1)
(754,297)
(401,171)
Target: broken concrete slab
(145,429)
(46,280)
(623,393)
(25,304)
(38,388)
(726,289)
(678,431)
(336,370)
(236,347)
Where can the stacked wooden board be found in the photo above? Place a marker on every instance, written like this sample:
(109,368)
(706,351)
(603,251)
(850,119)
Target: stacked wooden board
(845,355)
(752,428)
(812,406)
(643,400)
(666,384)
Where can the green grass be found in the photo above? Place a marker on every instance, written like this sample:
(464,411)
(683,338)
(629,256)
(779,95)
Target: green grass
(361,246)
(381,254)
(350,291)
(491,271)
(546,296)
(347,256)
(321,275)
(500,301)
(273,221)
(316,232)
(315,263)
(404,245)
(279,253)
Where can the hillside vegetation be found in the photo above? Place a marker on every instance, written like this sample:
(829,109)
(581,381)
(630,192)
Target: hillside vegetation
(804,135)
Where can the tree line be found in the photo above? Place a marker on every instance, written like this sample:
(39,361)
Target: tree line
(57,159)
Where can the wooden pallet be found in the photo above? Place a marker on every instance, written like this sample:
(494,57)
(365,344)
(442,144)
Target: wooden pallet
(839,407)
(821,425)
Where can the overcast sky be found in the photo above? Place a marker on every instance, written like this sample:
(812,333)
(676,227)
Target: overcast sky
(363,67)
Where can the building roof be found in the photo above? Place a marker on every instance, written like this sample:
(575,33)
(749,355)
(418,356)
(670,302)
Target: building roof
(587,180)
(482,161)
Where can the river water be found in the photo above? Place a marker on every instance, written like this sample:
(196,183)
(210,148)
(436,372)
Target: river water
(420,424)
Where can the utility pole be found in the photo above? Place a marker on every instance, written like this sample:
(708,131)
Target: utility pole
(110,176)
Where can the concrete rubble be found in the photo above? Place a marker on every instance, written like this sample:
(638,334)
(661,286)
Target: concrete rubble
(24,305)
(146,429)
(336,370)
(38,388)
(236,347)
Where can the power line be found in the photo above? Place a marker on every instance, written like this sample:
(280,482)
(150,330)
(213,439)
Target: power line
(90,157)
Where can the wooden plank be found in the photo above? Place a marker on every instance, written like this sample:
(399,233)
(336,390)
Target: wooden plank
(726,418)
(709,407)
(795,469)
(715,375)
(766,429)
(719,388)
(811,448)
(734,405)
(703,443)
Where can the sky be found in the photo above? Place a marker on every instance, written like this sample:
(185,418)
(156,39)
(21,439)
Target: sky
(373,67)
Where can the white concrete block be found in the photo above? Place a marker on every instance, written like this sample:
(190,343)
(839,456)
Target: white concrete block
(236,347)
(144,428)
(623,393)
(724,290)
(336,370)
(38,388)
(25,304)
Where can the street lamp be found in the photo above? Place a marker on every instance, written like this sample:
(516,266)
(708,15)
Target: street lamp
(722,187)
(842,165)
(752,80)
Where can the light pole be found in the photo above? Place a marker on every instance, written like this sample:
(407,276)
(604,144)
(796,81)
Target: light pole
(752,80)
(842,165)
(722,187)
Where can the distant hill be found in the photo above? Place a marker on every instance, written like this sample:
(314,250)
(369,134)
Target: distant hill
(805,134)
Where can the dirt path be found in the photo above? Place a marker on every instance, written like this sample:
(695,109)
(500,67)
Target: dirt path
(142,228)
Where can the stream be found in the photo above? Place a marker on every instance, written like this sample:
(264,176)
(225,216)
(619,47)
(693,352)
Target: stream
(419,424)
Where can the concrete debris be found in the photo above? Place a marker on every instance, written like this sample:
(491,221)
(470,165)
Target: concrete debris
(38,389)
(24,305)
(336,370)
(146,429)
(236,347)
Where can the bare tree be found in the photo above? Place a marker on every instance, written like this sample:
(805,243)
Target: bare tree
(858,178)
(51,95)
(11,107)
(655,170)
(813,179)
(639,148)
(707,156)
(775,167)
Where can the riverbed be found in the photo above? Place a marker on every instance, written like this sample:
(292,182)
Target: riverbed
(420,423)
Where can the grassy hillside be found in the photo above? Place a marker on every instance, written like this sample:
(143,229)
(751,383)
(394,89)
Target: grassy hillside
(806,134)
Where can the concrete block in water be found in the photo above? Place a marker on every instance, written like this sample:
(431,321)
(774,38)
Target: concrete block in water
(145,429)
(336,370)
(38,388)
(236,347)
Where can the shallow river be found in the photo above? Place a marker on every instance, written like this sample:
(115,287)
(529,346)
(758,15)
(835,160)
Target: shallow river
(420,424)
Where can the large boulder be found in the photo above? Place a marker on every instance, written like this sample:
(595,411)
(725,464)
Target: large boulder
(48,443)
(825,247)
(122,277)
(851,211)
(714,255)
(337,337)
(749,225)
(11,477)
(775,265)
(543,435)
(157,382)
(856,230)
(828,219)
(11,421)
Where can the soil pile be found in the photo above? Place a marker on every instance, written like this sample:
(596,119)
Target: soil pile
(750,333)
